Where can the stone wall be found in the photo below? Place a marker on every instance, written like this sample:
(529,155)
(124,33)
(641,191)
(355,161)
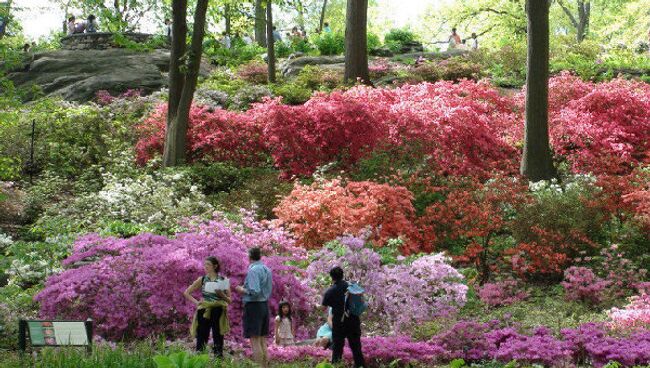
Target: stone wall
(98,40)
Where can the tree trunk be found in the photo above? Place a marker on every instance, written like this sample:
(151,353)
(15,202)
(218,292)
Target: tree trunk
(322,16)
(537,163)
(356,42)
(260,23)
(4,15)
(270,41)
(584,13)
(226,13)
(180,104)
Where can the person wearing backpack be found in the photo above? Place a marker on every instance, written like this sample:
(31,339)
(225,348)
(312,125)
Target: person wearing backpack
(346,301)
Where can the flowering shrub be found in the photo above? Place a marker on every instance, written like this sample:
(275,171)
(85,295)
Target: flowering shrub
(399,294)
(501,293)
(332,128)
(457,68)
(606,130)
(254,73)
(151,202)
(217,135)
(580,283)
(324,210)
(379,68)
(104,97)
(634,316)
(132,288)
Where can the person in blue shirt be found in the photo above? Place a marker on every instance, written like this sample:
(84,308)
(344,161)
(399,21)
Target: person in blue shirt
(255,296)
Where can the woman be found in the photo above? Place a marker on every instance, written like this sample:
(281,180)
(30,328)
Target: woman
(324,334)
(212,312)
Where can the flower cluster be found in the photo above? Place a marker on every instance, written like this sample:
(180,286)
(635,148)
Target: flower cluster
(634,316)
(398,294)
(580,283)
(132,288)
(320,212)
(501,293)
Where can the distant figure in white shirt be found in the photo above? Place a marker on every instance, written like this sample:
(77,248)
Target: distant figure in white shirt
(474,42)
(225,41)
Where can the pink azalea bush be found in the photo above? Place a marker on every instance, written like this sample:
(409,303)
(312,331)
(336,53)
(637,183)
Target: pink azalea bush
(501,293)
(581,284)
(634,316)
(132,288)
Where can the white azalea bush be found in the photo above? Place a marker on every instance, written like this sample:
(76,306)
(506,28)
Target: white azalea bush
(150,201)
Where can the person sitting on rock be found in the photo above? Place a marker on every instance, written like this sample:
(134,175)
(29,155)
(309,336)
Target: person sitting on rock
(71,25)
(79,27)
(91,24)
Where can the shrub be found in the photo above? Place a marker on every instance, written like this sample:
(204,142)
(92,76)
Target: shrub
(254,72)
(314,78)
(246,96)
(427,71)
(398,295)
(580,283)
(210,98)
(292,93)
(395,39)
(118,281)
(326,129)
(156,201)
(217,135)
(501,293)
(457,68)
(324,210)
(634,316)
(330,43)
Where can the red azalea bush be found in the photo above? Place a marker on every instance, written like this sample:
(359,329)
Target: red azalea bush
(325,129)
(132,288)
(254,72)
(218,135)
(324,210)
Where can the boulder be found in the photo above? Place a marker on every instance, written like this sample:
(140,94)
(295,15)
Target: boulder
(292,67)
(77,75)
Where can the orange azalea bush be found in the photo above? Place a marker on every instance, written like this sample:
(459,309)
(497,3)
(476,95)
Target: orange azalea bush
(324,210)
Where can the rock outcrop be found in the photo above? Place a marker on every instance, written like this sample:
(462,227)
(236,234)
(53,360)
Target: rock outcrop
(77,75)
(291,67)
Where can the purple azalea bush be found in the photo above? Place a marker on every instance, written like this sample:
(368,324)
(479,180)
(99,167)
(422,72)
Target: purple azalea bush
(132,288)
(501,293)
(398,295)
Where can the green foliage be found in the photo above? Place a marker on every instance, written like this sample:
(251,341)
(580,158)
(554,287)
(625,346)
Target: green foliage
(401,36)
(236,55)
(316,78)
(181,360)
(374,42)
(223,80)
(292,93)
(216,177)
(330,43)
(123,41)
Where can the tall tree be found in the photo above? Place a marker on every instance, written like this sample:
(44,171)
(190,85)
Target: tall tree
(581,21)
(321,22)
(270,41)
(260,23)
(537,163)
(356,41)
(5,15)
(183,75)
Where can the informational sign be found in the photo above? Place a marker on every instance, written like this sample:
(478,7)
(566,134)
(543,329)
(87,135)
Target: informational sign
(55,333)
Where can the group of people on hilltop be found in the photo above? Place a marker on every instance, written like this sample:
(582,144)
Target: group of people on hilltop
(87,26)
(455,42)
(343,302)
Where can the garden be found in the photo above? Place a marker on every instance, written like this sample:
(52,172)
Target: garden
(412,184)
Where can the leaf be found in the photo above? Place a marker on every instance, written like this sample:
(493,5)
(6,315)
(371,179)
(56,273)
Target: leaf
(164,362)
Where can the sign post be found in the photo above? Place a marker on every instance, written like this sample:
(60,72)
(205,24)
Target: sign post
(55,333)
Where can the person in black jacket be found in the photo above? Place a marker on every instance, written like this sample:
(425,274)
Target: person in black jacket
(343,326)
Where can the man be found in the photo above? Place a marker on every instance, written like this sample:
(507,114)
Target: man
(326,28)
(225,41)
(276,35)
(342,326)
(168,28)
(255,295)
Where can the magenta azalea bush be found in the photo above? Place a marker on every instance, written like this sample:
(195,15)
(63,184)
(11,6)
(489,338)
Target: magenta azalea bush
(501,293)
(132,288)
(581,284)
(398,294)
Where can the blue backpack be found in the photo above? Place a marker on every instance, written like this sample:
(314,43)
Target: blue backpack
(355,303)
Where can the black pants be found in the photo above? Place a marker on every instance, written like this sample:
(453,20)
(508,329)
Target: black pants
(343,331)
(203,331)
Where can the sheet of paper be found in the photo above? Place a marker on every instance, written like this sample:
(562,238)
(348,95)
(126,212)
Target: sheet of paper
(213,286)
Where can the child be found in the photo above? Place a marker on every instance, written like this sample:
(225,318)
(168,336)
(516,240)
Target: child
(284,331)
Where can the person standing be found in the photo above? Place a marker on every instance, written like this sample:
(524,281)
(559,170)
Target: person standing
(454,39)
(326,28)
(168,27)
(344,326)
(211,311)
(276,35)
(474,41)
(225,41)
(255,295)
